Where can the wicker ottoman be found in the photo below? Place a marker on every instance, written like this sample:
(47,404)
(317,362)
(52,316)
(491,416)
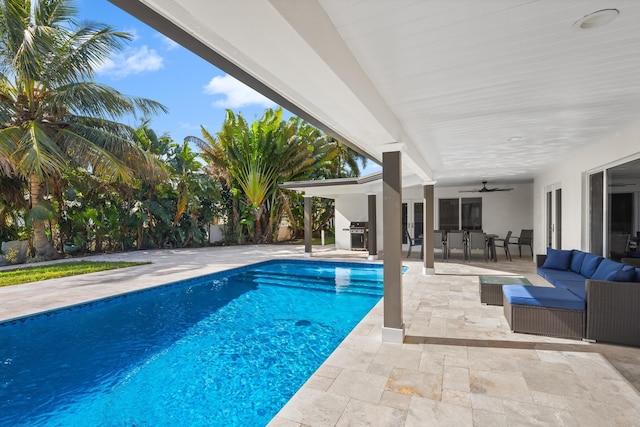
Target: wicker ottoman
(491,287)
(555,312)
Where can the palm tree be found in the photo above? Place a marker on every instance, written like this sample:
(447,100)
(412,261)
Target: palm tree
(253,160)
(52,114)
(346,165)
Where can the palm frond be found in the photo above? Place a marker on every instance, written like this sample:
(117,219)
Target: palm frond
(37,153)
(98,100)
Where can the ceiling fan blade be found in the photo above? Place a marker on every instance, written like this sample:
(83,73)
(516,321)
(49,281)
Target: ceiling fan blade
(484,189)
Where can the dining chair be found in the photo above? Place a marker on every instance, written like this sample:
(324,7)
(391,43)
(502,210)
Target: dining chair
(525,239)
(455,242)
(412,242)
(477,241)
(439,243)
(504,243)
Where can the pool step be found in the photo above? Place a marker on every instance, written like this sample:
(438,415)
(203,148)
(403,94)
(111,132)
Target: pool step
(372,284)
(310,282)
(373,278)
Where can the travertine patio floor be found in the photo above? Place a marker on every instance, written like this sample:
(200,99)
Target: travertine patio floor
(460,364)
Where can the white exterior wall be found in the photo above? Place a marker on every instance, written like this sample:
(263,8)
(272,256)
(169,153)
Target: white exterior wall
(501,210)
(571,175)
(348,208)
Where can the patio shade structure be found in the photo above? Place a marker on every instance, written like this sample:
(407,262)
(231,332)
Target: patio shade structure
(462,91)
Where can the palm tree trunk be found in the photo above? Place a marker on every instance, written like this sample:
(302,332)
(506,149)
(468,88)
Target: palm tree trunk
(140,235)
(236,221)
(40,241)
(258,224)
(290,217)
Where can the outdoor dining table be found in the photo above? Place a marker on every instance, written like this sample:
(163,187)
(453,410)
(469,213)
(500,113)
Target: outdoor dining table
(491,242)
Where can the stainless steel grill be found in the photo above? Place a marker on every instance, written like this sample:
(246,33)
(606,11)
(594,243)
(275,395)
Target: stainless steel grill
(359,232)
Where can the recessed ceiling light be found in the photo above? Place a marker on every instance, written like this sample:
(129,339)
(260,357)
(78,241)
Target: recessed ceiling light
(515,138)
(596,19)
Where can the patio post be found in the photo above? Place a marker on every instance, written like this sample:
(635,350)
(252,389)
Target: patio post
(393,326)
(373,228)
(427,241)
(307,226)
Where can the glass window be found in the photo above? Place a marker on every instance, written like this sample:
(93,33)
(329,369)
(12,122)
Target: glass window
(472,213)
(623,210)
(449,214)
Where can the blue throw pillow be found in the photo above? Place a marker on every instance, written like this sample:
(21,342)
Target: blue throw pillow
(557,259)
(605,267)
(589,265)
(638,274)
(576,260)
(626,274)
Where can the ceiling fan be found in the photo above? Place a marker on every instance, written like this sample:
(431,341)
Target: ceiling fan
(484,189)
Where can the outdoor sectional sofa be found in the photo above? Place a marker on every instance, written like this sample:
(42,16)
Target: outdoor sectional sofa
(592,297)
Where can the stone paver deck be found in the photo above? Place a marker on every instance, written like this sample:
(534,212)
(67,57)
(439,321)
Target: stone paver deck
(460,365)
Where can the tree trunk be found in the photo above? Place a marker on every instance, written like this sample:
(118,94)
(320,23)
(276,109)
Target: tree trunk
(236,221)
(42,245)
(290,217)
(258,224)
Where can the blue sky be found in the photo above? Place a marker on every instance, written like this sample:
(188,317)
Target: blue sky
(152,66)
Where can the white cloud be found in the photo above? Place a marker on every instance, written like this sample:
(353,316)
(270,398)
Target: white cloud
(235,94)
(133,33)
(167,42)
(133,61)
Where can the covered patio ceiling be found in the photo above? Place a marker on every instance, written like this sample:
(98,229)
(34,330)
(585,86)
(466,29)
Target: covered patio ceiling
(495,90)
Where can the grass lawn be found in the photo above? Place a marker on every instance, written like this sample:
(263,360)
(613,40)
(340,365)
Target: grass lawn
(44,272)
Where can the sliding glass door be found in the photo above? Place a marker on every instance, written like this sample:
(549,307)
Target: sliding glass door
(614,211)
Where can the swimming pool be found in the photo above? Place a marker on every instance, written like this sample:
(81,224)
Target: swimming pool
(224,349)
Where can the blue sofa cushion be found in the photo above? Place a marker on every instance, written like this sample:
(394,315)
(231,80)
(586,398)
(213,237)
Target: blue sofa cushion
(589,265)
(542,297)
(577,287)
(576,260)
(557,259)
(605,267)
(625,274)
(552,276)
(637,274)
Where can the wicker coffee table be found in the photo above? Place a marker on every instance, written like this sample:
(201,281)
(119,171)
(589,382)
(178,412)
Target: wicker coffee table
(491,287)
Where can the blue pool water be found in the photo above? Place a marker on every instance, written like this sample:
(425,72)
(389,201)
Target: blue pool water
(227,349)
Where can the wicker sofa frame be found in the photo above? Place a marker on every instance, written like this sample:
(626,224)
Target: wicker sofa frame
(554,322)
(612,310)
